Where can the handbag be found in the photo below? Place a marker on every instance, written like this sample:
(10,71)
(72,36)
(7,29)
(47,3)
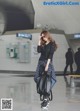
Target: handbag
(44,84)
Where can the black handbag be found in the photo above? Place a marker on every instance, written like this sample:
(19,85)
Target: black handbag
(44,85)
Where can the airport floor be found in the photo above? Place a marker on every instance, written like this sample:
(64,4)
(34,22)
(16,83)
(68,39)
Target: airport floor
(23,92)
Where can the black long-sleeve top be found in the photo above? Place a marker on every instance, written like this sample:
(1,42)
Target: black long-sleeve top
(46,51)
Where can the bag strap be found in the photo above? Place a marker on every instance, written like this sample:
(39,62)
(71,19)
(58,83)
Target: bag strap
(51,96)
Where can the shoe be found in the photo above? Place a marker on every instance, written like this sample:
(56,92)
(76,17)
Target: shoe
(45,103)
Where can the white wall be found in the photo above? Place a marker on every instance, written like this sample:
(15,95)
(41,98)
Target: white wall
(12,64)
(75,44)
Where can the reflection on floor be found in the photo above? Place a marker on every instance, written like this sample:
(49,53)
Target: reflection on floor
(25,98)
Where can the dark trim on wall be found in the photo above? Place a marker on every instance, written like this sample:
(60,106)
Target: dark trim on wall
(26,73)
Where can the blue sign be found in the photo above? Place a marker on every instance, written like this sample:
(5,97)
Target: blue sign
(24,35)
(77,36)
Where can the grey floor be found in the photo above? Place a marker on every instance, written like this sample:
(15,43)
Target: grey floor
(25,98)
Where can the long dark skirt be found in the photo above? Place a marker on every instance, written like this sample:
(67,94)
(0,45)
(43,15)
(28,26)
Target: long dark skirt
(40,69)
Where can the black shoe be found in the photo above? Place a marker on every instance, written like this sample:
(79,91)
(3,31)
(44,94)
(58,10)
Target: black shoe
(45,103)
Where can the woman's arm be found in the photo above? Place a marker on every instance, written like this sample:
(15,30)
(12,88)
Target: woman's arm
(50,57)
(39,47)
(39,43)
(47,65)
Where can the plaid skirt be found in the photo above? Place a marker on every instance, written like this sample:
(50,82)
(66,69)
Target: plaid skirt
(40,69)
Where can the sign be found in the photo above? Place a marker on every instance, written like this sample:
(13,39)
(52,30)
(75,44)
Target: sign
(24,35)
(77,36)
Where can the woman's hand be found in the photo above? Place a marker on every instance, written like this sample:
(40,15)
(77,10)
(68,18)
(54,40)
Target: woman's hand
(46,68)
(40,39)
(39,43)
(47,65)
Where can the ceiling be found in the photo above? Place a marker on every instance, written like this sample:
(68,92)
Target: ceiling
(65,18)
(16,15)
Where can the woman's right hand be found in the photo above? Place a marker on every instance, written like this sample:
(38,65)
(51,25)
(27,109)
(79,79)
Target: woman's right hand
(39,43)
(40,39)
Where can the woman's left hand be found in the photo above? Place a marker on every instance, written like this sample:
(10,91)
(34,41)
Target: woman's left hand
(46,68)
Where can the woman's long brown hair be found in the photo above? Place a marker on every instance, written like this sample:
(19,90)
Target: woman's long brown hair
(46,33)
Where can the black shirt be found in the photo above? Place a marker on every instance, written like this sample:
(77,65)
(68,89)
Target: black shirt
(77,58)
(69,57)
(46,51)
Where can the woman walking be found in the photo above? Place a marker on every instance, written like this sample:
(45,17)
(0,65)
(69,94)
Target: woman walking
(47,47)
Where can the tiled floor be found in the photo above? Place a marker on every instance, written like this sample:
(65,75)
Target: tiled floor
(25,98)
